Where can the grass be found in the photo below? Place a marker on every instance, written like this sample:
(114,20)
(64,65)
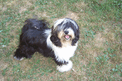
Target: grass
(99,53)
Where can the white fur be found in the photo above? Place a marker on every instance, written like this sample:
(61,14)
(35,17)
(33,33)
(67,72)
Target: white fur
(47,32)
(64,20)
(70,31)
(64,53)
(18,59)
(49,43)
(58,22)
(66,67)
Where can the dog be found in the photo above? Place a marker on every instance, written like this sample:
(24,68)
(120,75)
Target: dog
(59,42)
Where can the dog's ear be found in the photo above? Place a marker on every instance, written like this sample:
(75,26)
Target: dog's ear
(55,40)
(76,38)
(52,29)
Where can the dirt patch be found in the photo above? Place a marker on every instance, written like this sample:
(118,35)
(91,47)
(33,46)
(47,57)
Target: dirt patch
(72,15)
(43,15)
(110,36)
(26,4)
(69,14)
(3,8)
(11,3)
(81,6)
(99,40)
(90,51)
(93,47)
(22,9)
(3,65)
(1,77)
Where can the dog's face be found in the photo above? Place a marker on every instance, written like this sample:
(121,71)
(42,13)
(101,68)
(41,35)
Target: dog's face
(65,32)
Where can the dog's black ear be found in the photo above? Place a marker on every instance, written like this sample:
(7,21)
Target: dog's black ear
(76,38)
(52,29)
(55,40)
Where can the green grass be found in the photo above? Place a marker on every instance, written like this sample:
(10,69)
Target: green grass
(106,9)
(99,53)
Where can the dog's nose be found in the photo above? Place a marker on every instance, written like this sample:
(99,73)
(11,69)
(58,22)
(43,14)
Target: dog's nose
(66,32)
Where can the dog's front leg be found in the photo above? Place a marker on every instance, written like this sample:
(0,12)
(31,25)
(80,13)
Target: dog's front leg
(64,66)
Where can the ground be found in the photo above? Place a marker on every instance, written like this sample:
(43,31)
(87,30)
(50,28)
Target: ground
(99,53)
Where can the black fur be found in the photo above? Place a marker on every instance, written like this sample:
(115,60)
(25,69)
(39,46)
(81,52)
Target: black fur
(56,40)
(76,37)
(54,37)
(76,31)
(33,39)
(60,63)
(67,25)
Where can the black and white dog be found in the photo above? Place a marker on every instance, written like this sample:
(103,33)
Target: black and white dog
(59,42)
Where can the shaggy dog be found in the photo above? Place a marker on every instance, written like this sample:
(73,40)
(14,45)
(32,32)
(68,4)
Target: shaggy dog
(59,42)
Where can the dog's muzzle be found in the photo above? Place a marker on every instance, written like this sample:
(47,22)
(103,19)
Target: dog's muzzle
(67,37)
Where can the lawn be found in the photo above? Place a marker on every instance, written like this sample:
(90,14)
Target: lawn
(99,53)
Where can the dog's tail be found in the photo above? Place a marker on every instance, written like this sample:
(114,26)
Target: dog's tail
(35,24)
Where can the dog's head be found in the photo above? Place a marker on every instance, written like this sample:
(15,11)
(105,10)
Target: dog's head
(65,32)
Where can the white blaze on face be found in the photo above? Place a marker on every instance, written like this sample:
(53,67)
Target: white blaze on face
(56,23)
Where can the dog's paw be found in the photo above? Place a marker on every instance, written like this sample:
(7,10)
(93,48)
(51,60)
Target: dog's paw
(65,68)
(17,58)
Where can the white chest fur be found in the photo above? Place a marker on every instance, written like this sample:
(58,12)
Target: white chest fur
(64,53)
